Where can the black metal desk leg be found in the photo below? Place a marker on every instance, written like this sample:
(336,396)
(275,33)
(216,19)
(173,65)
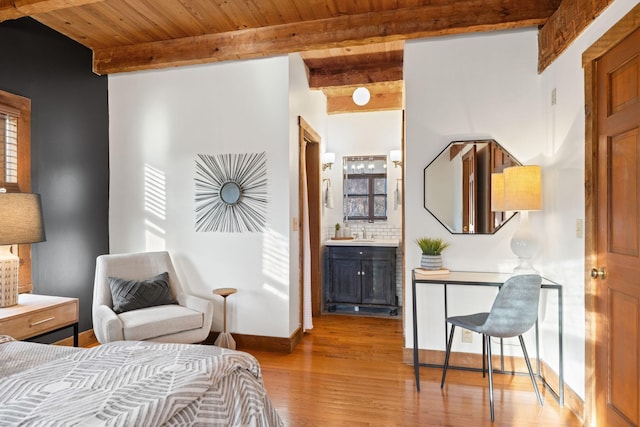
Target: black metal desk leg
(416,361)
(75,334)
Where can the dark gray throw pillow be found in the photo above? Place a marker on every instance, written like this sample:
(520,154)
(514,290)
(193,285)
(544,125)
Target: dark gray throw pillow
(130,295)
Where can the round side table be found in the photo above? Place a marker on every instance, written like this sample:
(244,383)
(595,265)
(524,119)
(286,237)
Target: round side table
(225,339)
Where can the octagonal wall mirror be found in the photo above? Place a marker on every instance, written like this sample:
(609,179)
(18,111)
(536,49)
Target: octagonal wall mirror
(457,186)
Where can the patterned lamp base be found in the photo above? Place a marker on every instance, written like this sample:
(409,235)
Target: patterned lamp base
(9,266)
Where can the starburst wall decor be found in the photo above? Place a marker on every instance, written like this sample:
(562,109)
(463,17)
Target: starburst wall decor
(231,192)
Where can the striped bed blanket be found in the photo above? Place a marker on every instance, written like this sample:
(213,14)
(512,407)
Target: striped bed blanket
(131,383)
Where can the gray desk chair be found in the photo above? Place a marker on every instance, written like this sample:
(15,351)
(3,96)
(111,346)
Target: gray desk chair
(513,313)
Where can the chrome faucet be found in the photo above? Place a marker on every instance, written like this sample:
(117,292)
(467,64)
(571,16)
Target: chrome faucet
(364,234)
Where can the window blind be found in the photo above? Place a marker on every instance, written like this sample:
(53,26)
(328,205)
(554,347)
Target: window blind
(8,149)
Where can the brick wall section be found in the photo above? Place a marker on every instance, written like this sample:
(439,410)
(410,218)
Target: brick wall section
(564,26)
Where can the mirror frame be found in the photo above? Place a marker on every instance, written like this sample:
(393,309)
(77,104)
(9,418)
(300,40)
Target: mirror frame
(494,220)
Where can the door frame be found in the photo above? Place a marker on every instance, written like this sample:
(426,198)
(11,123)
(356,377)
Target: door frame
(308,136)
(619,31)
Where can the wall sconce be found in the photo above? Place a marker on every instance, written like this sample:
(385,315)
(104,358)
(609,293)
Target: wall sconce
(20,223)
(361,96)
(396,157)
(523,193)
(327,160)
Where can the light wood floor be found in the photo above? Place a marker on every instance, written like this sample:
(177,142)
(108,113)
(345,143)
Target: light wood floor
(348,371)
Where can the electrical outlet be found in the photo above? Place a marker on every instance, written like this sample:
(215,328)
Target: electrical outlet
(467,336)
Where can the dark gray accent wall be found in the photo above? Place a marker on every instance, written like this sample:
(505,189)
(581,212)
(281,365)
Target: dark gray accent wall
(69,155)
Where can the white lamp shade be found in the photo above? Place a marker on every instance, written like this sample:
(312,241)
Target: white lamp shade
(497,192)
(328,157)
(395,155)
(523,188)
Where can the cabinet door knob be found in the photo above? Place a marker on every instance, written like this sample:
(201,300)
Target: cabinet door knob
(363,273)
(361,253)
(358,273)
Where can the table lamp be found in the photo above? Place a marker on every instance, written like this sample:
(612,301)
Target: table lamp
(20,223)
(523,193)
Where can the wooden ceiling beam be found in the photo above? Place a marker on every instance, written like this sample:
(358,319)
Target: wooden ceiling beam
(341,31)
(564,26)
(14,9)
(358,75)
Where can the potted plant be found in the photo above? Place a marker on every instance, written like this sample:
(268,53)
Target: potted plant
(337,235)
(431,252)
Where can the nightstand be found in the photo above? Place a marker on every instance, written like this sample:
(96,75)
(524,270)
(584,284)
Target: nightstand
(37,315)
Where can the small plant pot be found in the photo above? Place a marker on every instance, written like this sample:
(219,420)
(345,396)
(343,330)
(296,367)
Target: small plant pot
(431,262)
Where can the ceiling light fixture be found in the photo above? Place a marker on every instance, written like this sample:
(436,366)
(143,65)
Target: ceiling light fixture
(361,96)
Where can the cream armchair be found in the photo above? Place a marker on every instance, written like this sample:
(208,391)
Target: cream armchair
(188,321)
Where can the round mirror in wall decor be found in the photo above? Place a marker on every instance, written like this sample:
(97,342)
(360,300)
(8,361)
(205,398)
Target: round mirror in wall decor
(458,182)
(230,193)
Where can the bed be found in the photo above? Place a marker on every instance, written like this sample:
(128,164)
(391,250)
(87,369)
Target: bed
(131,383)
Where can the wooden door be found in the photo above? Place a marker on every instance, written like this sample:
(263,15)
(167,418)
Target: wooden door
(617,295)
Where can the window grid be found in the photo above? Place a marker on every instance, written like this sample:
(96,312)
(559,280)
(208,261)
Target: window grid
(367,201)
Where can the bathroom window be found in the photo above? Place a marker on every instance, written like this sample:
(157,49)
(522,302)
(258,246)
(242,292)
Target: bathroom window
(365,188)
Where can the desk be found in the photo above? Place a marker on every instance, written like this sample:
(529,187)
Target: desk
(468,278)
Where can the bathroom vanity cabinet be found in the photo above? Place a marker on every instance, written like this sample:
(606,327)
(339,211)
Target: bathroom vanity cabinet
(360,276)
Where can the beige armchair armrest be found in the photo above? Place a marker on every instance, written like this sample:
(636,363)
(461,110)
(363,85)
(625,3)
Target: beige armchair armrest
(106,325)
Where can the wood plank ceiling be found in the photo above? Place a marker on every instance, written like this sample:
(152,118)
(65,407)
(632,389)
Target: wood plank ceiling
(344,43)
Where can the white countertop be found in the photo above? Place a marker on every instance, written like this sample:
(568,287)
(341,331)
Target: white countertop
(360,242)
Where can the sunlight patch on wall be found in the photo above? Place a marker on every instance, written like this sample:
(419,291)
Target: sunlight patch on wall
(155,193)
(275,264)
(155,207)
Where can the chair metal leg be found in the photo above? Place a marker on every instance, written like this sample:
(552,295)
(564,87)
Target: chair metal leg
(490,368)
(484,352)
(533,379)
(446,357)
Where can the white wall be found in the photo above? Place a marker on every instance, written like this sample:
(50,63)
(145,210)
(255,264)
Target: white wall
(159,122)
(482,86)
(487,86)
